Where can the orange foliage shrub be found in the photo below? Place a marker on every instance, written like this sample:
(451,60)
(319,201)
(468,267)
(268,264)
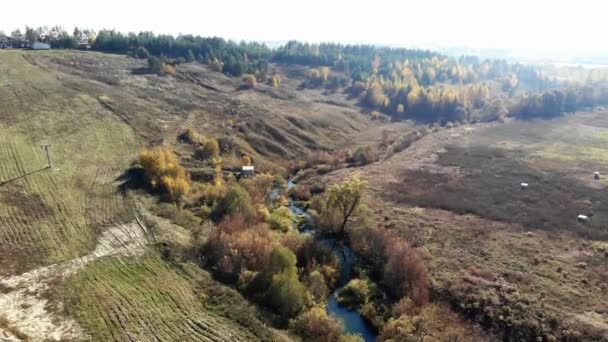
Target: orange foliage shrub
(169,69)
(403,271)
(235,246)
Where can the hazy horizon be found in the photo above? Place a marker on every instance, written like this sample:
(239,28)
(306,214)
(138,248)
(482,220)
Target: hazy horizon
(539,29)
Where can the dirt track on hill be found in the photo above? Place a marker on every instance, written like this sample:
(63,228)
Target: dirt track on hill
(22,297)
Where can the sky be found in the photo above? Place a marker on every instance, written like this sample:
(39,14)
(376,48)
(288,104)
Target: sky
(531,26)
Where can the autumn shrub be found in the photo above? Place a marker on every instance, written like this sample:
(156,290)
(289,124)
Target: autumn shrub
(169,69)
(216,65)
(258,187)
(400,266)
(191,136)
(285,293)
(405,273)
(316,325)
(363,155)
(246,160)
(356,292)
(212,147)
(300,192)
(249,81)
(235,200)
(398,329)
(235,246)
(281,219)
(317,285)
(275,81)
(404,141)
(163,172)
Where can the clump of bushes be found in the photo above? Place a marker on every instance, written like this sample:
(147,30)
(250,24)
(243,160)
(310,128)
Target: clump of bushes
(403,272)
(280,219)
(236,200)
(404,141)
(363,155)
(286,294)
(142,53)
(316,325)
(169,69)
(249,81)
(236,246)
(275,81)
(163,172)
(300,192)
(210,149)
(258,187)
(356,292)
(191,136)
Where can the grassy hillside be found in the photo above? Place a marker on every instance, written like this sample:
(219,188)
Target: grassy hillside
(51,215)
(97,111)
(147,299)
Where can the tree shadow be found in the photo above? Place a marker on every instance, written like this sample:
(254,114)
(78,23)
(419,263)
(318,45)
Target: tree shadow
(133,178)
(141,71)
(2,183)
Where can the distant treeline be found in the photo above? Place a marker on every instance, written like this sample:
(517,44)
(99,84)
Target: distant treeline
(401,83)
(395,82)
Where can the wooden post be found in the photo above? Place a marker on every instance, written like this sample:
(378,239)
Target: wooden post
(48,155)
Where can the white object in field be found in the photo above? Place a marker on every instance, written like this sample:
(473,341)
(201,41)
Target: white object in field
(583,218)
(596,175)
(248,170)
(524,185)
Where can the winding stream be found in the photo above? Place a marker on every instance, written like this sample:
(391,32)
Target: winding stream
(353,321)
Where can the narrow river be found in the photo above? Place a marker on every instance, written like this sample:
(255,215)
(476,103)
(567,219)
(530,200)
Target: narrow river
(353,321)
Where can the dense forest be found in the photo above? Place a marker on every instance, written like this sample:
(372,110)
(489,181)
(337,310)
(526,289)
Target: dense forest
(395,83)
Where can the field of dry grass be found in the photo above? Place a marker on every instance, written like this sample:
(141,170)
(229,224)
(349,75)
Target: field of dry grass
(516,261)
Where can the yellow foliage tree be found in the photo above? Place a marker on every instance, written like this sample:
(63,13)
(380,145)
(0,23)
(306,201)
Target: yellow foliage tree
(163,171)
(249,80)
(246,160)
(276,81)
(345,198)
(324,71)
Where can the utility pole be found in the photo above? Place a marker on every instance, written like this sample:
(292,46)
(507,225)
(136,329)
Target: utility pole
(48,155)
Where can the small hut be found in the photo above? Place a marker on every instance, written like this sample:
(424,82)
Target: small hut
(596,175)
(582,218)
(524,186)
(248,171)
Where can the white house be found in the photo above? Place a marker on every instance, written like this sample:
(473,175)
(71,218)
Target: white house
(248,170)
(40,46)
(582,218)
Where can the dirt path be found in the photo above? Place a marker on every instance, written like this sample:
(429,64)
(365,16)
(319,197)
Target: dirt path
(23,307)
